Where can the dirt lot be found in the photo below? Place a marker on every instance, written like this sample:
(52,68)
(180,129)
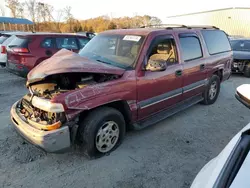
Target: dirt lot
(168,154)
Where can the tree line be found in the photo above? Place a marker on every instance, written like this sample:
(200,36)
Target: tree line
(47,18)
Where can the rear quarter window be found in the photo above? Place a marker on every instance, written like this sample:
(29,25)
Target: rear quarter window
(216,41)
(47,43)
(2,39)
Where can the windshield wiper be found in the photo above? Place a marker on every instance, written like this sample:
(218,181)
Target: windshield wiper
(103,61)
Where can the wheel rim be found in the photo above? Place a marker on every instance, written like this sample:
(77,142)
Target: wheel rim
(213,90)
(107,136)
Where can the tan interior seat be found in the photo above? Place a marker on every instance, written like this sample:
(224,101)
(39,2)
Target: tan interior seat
(164,53)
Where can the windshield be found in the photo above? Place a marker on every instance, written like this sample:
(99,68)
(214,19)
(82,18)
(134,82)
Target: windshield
(116,50)
(240,45)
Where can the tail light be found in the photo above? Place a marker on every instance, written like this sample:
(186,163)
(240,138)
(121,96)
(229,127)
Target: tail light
(3,50)
(20,50)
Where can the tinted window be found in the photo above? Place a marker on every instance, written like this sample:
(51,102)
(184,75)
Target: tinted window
(240,45)
(47,43)
(190,48)
(66,42)
(3,38)
(216,41)
(19,42)
(83,42)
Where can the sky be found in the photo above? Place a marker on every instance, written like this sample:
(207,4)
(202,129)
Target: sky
(83,9)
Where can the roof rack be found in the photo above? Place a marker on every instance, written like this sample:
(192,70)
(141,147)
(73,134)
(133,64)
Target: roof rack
(163,26)
(172,26)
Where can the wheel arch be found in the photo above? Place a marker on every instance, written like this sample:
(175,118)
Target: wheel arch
(120,105)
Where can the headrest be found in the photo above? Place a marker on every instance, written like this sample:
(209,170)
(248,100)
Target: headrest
(134,50)
(163,48)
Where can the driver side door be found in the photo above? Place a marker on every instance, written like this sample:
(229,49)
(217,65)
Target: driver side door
(159,90)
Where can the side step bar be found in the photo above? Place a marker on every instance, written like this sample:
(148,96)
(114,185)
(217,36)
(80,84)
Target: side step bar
(153,119)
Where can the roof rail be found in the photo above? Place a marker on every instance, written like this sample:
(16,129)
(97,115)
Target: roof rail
(163,26)
(202,26)
(171,26)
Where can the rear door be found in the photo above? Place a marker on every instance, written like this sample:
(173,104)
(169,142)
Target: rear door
(194,65)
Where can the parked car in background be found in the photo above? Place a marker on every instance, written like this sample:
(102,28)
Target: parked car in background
(5,39)
(231,167)
(241,55)
(26,51)
(122,79)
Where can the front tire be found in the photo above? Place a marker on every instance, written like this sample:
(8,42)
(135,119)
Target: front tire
(101,132)
(212,91)
(247,71)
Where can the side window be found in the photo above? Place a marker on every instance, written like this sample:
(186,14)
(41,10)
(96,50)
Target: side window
(190,48)
(47,43)
(216,41)
(66,42)
(164,50)
(83,42)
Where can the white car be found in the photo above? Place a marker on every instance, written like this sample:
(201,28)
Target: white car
(3,54)
(231,167)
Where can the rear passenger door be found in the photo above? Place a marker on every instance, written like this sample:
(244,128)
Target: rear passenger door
(194,68)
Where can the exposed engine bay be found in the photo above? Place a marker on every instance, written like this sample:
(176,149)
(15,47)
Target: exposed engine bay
(56,84)
(52,86)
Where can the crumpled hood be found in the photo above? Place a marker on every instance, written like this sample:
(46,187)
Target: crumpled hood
(241,55)
(66,61)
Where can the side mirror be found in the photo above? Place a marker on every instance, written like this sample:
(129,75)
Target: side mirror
(243,94)
(156,66)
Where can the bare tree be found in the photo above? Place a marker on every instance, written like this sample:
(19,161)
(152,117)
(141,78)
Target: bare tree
(2,10)
(16,8)
(31,6)
(69,17)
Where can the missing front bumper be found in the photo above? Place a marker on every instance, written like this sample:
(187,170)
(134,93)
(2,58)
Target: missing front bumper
(50,141)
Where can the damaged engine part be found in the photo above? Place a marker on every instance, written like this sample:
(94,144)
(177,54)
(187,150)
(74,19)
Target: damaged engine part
(56,84)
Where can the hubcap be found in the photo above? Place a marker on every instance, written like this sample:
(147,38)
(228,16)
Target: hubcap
(107,136)
(213,90)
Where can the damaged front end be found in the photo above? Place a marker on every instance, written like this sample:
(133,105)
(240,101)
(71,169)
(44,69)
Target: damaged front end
(41,115)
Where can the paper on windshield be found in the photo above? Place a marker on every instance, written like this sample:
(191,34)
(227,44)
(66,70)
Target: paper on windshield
(132,38)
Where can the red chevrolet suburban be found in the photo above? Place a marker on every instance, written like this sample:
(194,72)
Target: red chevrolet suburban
(122,79)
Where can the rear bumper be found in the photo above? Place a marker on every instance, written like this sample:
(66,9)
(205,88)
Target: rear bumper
(17,69)
(51,141)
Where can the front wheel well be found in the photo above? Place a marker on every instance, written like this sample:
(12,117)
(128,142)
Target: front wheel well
(219,73)
(122,106)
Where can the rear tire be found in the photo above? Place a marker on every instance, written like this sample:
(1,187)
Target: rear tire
(101,132)
(247,71)
(212,91)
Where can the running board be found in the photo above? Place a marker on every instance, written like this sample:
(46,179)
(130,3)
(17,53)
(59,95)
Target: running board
(153,119)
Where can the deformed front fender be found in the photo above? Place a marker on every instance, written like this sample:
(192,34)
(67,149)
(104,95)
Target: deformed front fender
(95,96)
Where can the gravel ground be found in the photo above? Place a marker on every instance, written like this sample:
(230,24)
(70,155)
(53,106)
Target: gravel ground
(168,154)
